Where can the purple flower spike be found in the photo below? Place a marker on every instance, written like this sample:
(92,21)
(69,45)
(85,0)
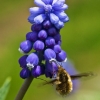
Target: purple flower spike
(46,24)
(25,46)
(25,73)
(57,48)
(61,56)
(32,60)
(22,61)
(50,42)
(36,27)
(49,54)
(38,45)
(42,34)
(37,71)
(52,31)
(32,36)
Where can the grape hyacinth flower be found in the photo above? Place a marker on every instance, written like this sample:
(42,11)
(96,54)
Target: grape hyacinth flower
(44,38)
(47,20)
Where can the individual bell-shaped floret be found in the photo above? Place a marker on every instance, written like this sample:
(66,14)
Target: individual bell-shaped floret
(25,46)
(53,18)
(57,37)
(49,54)
(51,67)
(59,25)
(37,71)
(32,36)
(48,74)
(32,60)
(50,42)
(61,56)
(57,48)
(47,24)
(22,61)
(52,31)
(42,35)
(36,27)
(25,73)
(38,45)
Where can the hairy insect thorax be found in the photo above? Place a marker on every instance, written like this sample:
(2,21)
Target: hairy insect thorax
(65,86)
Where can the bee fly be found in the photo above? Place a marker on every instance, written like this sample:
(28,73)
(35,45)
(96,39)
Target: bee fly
(63,81)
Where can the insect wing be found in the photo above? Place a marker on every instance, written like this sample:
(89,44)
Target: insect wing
(81,75)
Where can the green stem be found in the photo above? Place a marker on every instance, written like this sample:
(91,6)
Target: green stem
(24,88)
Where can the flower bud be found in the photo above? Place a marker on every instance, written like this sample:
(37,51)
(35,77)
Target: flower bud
(37,71)
(57,48)
(61,56)
(26,46)
(49,54)
(36,27)
(46,24)
(42,34)
(32,36)
(52,31)
(22,61)
(25,73)
(32,60)
(38,45)
(50,42)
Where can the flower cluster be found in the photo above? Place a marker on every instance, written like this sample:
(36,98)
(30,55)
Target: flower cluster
(44,38)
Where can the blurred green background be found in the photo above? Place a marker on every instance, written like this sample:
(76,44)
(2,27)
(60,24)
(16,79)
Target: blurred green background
(81,41)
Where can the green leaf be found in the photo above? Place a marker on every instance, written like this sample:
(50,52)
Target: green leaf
(5,88)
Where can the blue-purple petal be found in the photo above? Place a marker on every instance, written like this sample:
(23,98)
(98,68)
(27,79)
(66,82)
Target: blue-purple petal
(61,15)
(51,67)
(39,3)
(36,71)
(50,42)
(47,1)
(36,10)
(32,36)
(57,37)
(39,19)
(31,18)
(47,24)
(42,34)
(22,61)
(57,48)
(36,27)
(59,25)
(25,73)
(53,18)
(32,60)
(61,56)
(26,46)
(38,45)
(49,54)
(65,19)
(52,31)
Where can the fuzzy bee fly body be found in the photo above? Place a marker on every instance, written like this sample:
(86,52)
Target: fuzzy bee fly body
(63,81)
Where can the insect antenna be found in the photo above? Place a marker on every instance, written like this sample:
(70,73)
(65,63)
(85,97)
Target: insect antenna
(41,79)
